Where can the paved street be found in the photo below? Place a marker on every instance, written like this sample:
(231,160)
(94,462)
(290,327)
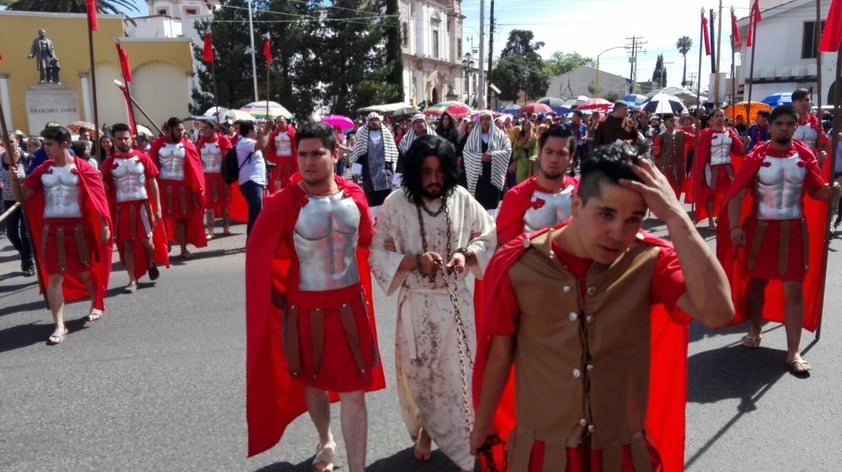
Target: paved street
(157,384)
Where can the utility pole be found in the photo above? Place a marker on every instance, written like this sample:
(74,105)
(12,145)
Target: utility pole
(637,45)
(253,60)
(481,80)
(491,26)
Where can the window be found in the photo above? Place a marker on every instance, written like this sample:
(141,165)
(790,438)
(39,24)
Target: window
(163,11)
(191,11)
(404,34)
(459,47)
(808,41)
(435,33)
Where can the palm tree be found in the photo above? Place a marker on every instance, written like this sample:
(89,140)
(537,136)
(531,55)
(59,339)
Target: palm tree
(71,6)
(683,45)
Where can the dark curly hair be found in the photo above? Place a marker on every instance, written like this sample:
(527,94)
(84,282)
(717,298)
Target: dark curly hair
(607,164)
(421,148)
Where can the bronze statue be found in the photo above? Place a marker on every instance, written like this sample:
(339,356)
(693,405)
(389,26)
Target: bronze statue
(46,60)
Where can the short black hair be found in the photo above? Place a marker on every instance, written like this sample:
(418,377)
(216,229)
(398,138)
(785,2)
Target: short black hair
(172,122)
(783,110)
(117,127)
(422,148)
(606,164)
(59,134)
(800,93)
(246,127)
(764,113)
(557,131)
(320,130)
(79,148)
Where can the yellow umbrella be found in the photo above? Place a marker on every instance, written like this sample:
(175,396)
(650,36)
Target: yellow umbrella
(739,108)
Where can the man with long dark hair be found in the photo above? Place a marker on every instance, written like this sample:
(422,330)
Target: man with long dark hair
(425,238)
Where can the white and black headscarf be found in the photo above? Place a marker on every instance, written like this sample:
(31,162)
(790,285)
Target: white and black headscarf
(361,146)
(409,137)
(498,145)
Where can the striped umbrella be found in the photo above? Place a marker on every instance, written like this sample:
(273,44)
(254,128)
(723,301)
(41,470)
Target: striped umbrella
(259,109)
(454,109)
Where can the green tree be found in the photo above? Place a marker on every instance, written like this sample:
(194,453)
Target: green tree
(71,6)
(561,62)
(683,45)
(520,67)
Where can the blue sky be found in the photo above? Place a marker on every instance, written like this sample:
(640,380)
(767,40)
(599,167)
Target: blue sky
(592,26)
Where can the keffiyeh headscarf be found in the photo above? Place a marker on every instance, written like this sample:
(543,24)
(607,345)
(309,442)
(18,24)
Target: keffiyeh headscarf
(499,147)
(409,137)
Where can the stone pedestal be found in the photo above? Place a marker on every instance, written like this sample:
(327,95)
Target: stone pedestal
(50,102)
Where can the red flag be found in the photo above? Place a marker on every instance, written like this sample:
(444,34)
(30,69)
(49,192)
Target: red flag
(832,36)
(92,21)
(124,64)
(267,51)
(207,52)
(735,31)
(706,34)
(129,108)
(754,17)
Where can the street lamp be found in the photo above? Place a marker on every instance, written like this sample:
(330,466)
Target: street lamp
(596,85)
(468,66)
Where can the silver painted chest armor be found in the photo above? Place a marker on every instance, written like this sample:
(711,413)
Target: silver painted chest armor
(806,134)
(556,208)
(211,158)
(720,149)
(325,239)
(61,193)
(171,156)
(129,179)
(778,188)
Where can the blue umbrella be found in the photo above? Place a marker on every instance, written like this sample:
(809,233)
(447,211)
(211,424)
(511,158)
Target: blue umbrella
(779,98)
(512,109)
(635,99)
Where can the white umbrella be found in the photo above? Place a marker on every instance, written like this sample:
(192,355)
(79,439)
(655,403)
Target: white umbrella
(212,111)
(663,103)
(237,115)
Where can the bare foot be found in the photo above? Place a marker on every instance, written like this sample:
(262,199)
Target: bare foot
(423,447)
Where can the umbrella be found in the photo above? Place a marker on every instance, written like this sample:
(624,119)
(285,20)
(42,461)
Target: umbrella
(404,113)
(259,110)
(553,102)
(454,109)
(779,98)
(212,111)
(238,115)
(536,108)
(77,125)
(341,121)
(384,108)
(740,109)
(144,130)
(511,108)
(198,118)
(596,104)
(663,103)
(635,99)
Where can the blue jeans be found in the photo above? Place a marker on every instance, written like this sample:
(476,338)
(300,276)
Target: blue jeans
(253,193)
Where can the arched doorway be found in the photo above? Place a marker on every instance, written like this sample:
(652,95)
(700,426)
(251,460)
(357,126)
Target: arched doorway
(435,95)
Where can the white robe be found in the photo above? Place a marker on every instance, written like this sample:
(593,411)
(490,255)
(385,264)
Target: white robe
(426,350)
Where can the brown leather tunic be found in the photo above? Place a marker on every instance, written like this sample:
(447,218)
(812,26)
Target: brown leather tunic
(582,362)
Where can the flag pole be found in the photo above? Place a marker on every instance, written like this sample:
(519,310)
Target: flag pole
(752,36)
(139,108)
(213,79)
(93,73)
(734,81)
(718,48)
(817,33)
(699,76)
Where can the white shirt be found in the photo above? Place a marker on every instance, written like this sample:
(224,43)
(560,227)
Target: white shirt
(253,169)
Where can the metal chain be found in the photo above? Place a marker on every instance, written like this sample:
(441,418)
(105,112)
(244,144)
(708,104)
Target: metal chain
(450,284)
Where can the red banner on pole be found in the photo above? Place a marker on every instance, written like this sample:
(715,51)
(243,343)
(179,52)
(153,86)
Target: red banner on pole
(735,31)
(92,21)
(124,63)
(267,51)
(706,35)
(832,36)
(754,17)
(207,51)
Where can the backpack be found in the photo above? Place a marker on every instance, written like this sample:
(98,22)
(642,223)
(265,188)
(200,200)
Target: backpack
(230,167)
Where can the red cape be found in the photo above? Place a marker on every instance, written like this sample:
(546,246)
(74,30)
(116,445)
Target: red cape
(668,368)
(273,398)
(272,155)
(515,203)
(238,208)
(159,234)
(196,179)
(701,157)
(733,259)
(94,208)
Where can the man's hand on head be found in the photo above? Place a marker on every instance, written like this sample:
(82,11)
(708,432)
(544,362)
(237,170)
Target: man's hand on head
(656,191)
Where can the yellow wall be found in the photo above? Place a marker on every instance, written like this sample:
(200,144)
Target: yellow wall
(69,34)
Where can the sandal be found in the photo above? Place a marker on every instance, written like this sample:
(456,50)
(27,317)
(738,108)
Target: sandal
(799,367)
(58,336)
(751,342)
(95,314)
(324,455)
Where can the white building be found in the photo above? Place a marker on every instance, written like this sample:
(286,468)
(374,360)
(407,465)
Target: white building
(588,81)
(431,35)
(785,51)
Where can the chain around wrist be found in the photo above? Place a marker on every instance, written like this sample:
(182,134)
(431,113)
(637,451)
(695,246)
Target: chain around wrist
(418,262)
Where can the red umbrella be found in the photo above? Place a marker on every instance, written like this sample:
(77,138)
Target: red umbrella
(596,104)
(536,108)
(455,109)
